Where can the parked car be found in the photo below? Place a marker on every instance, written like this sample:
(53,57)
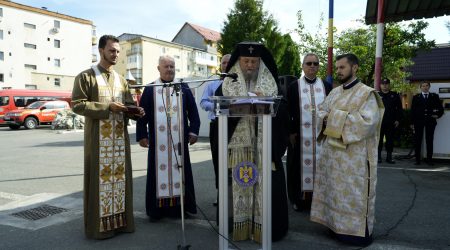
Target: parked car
(11,99)
(35,114)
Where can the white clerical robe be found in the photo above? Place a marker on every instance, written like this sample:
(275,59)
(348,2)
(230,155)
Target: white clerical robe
(310,97)
(346,176)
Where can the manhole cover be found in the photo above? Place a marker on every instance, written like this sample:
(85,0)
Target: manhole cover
(40,212)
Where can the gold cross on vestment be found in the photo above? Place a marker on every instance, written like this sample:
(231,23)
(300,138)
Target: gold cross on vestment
(251,49)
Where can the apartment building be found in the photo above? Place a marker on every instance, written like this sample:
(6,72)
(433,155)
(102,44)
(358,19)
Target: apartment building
(42,49)
(140,56)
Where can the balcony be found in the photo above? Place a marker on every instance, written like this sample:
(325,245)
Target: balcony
(134,51)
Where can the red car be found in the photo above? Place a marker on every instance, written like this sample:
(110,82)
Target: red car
(35,114)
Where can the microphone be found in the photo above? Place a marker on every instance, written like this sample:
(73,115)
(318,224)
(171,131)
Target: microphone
(232,75)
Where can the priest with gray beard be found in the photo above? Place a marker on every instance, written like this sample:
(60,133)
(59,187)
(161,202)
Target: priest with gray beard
(257,75)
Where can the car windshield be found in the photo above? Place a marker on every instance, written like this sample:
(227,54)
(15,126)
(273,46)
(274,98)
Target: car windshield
(4,100)
(34,105)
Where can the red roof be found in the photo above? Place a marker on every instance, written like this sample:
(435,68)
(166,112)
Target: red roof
(208,34)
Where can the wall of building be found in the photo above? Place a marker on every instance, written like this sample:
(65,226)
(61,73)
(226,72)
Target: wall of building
(37,30)
(190,37)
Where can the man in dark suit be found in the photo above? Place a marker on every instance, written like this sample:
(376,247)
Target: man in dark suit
(391,119)
(425,109)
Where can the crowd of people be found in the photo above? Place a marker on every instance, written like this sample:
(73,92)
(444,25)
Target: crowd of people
(333,138)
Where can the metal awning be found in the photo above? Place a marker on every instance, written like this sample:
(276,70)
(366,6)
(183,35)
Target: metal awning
(402,10)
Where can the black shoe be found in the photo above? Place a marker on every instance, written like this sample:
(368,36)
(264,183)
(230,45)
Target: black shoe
(417,163)
(430,163)
(215,203)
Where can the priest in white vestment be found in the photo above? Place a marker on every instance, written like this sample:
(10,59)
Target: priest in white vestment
(346,174)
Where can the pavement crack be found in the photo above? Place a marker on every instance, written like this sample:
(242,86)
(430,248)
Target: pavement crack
(411,206)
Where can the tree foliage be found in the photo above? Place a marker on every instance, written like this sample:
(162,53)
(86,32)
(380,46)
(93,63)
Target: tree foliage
(401,43)
(313,43)
(249,22)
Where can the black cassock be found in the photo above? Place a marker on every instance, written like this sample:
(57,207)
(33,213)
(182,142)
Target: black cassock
(153,206)
(294,175)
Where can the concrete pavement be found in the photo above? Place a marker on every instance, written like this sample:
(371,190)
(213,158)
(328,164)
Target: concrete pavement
(40,167)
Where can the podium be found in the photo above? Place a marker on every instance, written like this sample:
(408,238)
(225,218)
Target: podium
(245,106)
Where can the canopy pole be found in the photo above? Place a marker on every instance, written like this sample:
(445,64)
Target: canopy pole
(379,45)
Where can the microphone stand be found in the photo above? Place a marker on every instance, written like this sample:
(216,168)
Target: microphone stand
(180,146)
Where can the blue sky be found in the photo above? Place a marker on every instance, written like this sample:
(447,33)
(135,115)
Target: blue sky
(163,19)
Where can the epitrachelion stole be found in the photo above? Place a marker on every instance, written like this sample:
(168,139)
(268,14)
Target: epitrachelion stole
(168,176)
(111,157)
(311,96)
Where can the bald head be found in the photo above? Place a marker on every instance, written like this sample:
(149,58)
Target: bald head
(166,68)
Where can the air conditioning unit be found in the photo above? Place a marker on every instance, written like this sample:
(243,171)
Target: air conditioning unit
(55,30)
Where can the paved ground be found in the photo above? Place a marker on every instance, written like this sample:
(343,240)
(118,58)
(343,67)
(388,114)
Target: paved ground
(41,167)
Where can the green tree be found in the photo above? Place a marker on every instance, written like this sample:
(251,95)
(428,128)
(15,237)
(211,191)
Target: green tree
(249,22)
(289,63)
(401,43)
(313,43)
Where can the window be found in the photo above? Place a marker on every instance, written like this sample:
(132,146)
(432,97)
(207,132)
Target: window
(57,62)
(30,66)
(29,25)
(48,59)
(2,78)
(2,56)
(1,11)
(56,24)
(48,39)
(29,45)
(57,82)
(57,43)
(177,57)
(4,100)
(132,59)
(1,34)
(29,86)
(59,105)
(49,106)
(188,68)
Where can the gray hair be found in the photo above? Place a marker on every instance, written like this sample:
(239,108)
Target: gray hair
(309,54)
(225,56)
(165,58)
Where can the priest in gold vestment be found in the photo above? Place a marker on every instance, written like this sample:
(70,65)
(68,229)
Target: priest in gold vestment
(257,75)
(346,175)
(100,94)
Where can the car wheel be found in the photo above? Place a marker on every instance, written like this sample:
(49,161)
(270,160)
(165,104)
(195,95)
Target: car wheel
(31,123)
(14,126)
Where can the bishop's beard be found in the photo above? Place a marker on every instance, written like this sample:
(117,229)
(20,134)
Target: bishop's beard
(251,76)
